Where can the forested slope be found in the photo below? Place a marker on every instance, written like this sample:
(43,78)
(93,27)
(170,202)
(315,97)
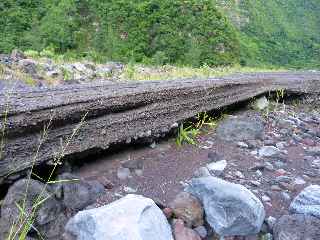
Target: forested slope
(278,32)
(193,32)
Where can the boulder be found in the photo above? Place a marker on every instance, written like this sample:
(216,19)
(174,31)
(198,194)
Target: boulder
(28,66)
(307,202)
(75,193)
(297,227)
(133,217)
(48,215)
(17,55)
(241,128)
(188,208)
(230,209)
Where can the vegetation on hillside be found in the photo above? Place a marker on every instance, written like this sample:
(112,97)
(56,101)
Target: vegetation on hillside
(158,31)
(285,33)
(192,32)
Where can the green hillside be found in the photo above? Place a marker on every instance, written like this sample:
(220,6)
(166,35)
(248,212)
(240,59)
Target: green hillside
(277,32)
(191,32)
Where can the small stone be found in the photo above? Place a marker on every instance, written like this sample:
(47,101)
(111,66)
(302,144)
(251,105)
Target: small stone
(280,172)
(138,172)
(267,236)
(202,231)
(313,151)
(239,175)
(275,188)
(285,196)
(181,232)
(153,145)
(271,221)
(281,145)
(168,212)
(254,152)
(242,145)
(260,103)
(299,181)
(129,189)
(268,166)
(259,173)
(201,172)
(133,164)
(217,168)
(283,179)
(123,173)
(316,163)
(106,182)
(213,156)
(279,164)
(266,198)
(259,167)
(255,183)
(269,151)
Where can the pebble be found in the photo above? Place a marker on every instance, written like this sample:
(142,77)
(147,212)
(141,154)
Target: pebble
(282,179)
(217,168)
(153,145)
(269,151)
(286,196)
(201,172)
(239,174)
(279,164)
(242,145)
(299,181)
(271,221)
(202,231)
(255,183)
(265,198)
(129,189)
(268,166)
(281,145)
(280,172)
(316,163)
(259,173)
(275,188)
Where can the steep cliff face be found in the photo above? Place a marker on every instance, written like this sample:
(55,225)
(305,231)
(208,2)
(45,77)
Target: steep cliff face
(276,32)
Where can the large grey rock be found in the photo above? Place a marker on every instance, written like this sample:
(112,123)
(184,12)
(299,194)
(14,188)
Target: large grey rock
(230,209)
(307,202)
(49,218)
(297,227)
(241,128)
(130,218)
